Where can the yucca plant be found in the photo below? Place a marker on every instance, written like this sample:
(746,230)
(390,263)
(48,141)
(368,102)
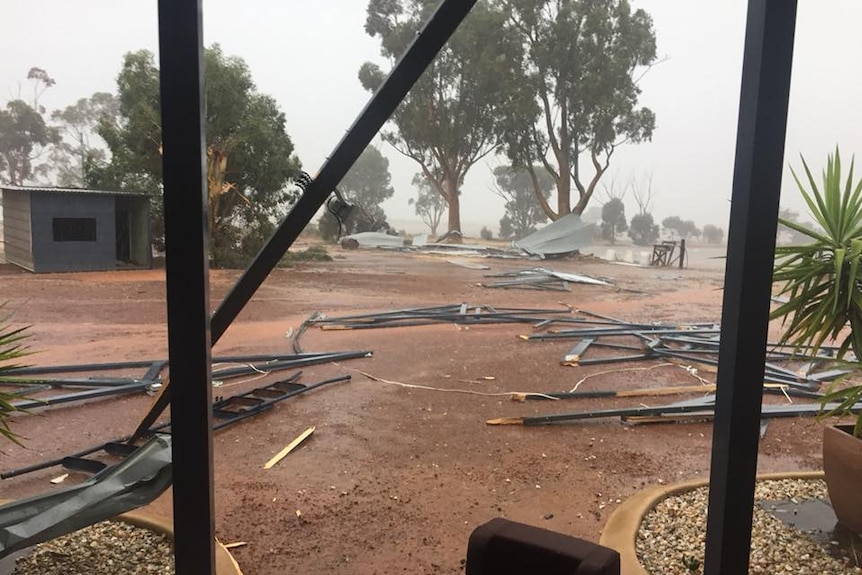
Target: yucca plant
(12,348)
(823,278)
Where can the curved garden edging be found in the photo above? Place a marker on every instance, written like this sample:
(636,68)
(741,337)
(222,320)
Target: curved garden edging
(620,532)
(225,563)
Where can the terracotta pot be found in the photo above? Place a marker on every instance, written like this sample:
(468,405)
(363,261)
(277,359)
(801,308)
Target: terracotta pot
(842,464)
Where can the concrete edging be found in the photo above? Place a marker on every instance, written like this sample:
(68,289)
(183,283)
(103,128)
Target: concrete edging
(620,532)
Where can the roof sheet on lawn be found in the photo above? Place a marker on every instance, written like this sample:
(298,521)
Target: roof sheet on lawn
(566,235)
(376,240)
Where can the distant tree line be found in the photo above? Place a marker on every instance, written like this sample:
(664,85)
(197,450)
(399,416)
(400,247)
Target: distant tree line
(552,87)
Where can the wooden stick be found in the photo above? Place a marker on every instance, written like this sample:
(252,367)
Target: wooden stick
(290,447)
(506,421)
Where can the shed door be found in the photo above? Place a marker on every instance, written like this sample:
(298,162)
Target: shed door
(123,230)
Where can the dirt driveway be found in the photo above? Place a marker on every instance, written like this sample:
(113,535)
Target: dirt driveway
(395,478)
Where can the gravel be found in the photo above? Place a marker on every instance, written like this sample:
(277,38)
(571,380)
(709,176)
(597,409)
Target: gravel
(109,547)
(671,537)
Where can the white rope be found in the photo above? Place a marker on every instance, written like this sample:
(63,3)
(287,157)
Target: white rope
(449,390)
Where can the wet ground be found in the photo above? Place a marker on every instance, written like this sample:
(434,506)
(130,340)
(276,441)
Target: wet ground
(395,478)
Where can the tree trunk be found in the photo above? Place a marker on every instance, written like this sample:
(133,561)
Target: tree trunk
(454,200)
(564,192)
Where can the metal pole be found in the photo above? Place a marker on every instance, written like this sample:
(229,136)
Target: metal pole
(186,263)
(681,253)
(748,281)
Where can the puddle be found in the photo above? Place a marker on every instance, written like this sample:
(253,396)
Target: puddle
(816,519)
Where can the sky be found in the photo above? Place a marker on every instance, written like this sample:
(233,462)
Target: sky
(307,53)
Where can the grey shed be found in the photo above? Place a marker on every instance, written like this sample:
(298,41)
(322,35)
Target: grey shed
(75,229)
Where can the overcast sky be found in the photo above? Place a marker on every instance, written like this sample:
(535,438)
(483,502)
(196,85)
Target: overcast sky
(306,54)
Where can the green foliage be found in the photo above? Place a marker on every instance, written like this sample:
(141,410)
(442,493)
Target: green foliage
(713,234)
(450,118)
(643,231)
(429,204)
(310,254)
(822,278)
(683,228)
(242,124)
(613,219)
(516,187)
(24,136)
(577,91)
(367,185)
(12,348)
(691,563)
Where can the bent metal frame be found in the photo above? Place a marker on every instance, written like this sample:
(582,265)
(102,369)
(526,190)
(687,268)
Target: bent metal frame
(192,331)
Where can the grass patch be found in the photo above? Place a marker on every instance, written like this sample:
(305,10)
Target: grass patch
(310,254)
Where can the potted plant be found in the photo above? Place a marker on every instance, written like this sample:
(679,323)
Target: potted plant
(823,282)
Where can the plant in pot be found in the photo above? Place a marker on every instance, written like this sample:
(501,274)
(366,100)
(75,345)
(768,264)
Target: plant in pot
(823,282)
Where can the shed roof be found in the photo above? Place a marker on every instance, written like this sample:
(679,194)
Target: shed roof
(51,189)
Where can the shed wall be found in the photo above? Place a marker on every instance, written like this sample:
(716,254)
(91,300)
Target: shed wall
(63,256)
(17,233)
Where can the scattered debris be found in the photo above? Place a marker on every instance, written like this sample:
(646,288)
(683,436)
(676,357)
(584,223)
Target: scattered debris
(229,411)
(468,264)
(699,408)
(234,545)
(290,447)
(691,346)
(459,314)
(540,278)
(134,482)
(59,479)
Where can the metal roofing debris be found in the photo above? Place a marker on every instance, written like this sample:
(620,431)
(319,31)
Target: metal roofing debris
(704,409)
(541,278)
(687,344)
(468,264)
(376,240)
(229,410)
(458,313)
(134,482)
(564,236)
(104,387)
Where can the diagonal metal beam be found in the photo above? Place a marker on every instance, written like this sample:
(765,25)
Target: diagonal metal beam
(750,252)
(407,70)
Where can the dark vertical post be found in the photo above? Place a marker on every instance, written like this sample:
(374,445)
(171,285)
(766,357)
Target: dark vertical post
(750,252)
(181,75)
(681,253)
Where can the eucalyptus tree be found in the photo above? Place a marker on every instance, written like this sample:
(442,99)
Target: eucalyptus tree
(581,65)
(450,119)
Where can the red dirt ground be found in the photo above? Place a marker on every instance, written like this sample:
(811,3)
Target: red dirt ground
(394,479)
